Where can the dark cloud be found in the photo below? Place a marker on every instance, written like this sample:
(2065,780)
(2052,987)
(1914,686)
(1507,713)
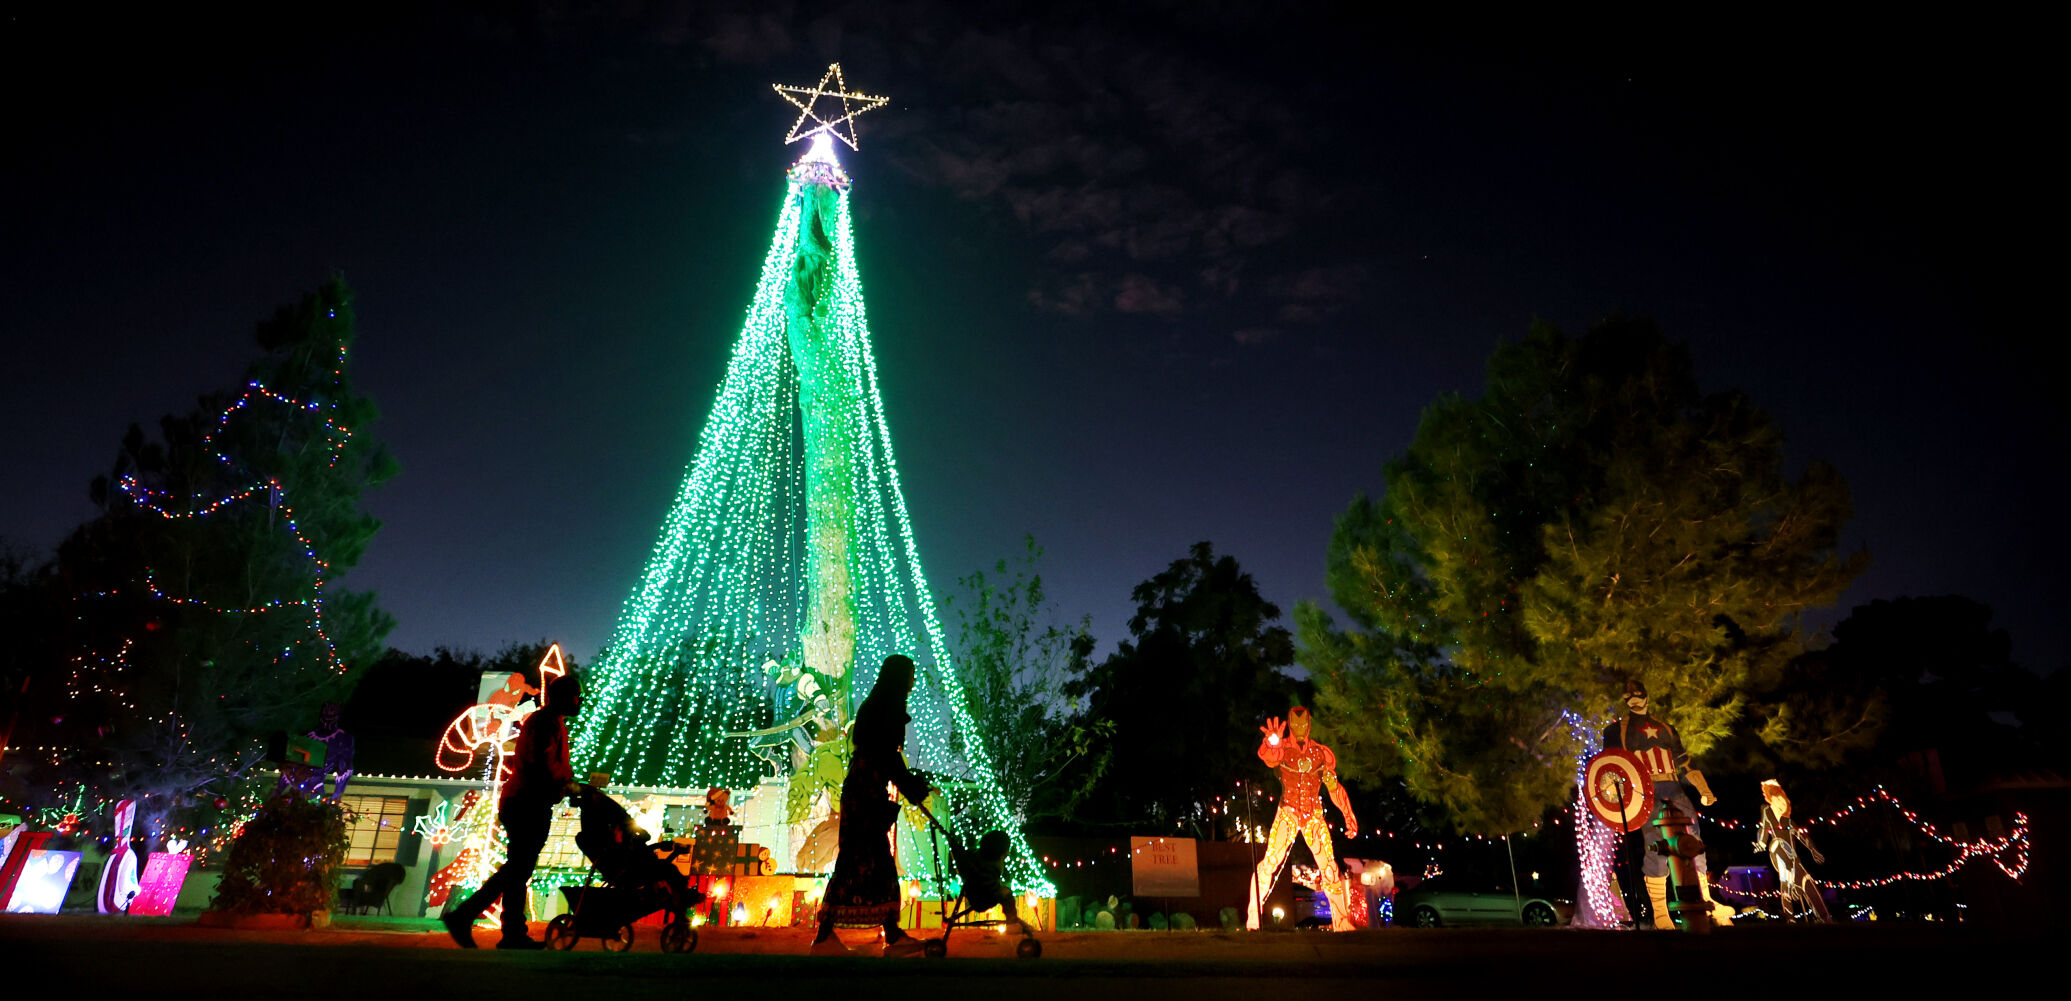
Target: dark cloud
(1144,294)
(1147,172)
(1074,296)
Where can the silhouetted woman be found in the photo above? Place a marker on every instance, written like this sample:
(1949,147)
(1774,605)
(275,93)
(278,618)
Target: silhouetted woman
(865,888)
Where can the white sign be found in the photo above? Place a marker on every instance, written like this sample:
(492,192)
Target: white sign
(1164,867)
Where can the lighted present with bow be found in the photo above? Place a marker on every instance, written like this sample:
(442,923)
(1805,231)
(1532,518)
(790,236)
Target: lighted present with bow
(718,851)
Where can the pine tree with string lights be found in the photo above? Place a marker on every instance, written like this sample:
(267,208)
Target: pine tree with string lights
(205,611)
(787,570)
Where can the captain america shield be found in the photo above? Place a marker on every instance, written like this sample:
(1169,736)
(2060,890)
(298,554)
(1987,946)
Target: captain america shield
(1618,791)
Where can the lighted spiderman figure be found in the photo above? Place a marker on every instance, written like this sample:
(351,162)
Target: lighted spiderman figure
(1306,769)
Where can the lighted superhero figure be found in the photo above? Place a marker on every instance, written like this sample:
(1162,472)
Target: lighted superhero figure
(308,779)
(338,747)
(1661,750)
(1306,768)
(1781,838)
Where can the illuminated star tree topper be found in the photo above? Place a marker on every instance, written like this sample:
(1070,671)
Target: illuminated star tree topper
(808,99)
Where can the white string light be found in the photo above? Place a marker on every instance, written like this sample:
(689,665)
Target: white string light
(807,98)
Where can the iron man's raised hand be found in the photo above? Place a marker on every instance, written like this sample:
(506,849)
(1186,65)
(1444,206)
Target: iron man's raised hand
(1275,730)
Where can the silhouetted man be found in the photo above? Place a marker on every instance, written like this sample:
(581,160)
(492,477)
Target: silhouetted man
(539,777)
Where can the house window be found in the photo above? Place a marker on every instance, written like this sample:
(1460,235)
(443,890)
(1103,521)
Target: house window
(560,851)
(374,825)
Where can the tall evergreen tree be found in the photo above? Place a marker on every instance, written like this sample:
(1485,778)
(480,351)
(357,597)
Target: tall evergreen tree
(31,613)
(1591,517)
(1205,664)
(208,612)
(1903,676)
(787,569)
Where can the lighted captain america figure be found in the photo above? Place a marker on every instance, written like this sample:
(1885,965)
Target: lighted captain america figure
(1660,749)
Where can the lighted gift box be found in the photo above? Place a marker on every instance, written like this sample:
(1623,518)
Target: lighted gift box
(45,878)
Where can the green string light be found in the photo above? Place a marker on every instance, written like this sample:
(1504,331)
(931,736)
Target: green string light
(790,544)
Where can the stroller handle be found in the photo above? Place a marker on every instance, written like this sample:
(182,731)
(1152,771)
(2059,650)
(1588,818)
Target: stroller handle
(932,822)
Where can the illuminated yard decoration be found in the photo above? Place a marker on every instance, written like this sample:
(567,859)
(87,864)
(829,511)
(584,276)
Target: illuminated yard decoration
(808,99)
(483,730)
(1616,786)
(440,829)
(44,881)
(119,874)
(2008,852)
(159,889)
(1595,845)
(786,570)
(1307,769)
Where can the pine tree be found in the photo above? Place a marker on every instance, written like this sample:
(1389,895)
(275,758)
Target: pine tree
(1592,517)
(208,612)
(1206,663)
(787,569)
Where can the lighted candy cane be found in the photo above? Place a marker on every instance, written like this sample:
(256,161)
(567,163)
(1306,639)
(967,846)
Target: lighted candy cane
(119,876)
(486,725)
(493,725)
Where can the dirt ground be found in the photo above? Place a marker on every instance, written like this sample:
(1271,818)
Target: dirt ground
(361,958)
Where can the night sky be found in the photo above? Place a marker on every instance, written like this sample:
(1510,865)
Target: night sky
(1183,271)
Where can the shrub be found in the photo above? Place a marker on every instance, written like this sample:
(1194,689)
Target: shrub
(285,860)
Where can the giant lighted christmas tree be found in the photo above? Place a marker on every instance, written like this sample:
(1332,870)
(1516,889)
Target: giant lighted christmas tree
(786,571)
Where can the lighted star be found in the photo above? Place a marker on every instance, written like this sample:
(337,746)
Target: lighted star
(1651,730)
(808,98)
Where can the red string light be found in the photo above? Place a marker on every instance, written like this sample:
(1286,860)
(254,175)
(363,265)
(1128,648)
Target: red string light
(2010,853)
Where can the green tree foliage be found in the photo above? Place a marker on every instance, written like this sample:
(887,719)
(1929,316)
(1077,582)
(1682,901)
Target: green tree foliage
(1904,677)
(195,627)
(1013,659)
(1205,664)
(1591,517)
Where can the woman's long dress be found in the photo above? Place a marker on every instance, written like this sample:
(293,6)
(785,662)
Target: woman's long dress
(864,890)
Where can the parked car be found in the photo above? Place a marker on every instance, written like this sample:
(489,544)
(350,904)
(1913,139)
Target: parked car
(1465,900)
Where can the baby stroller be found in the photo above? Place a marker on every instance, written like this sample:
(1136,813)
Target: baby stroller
(984,888)
(639,880)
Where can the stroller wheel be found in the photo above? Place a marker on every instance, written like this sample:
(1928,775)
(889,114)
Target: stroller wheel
(1029,949)
(561,932)
(934,948)
(620,940)
(679,936)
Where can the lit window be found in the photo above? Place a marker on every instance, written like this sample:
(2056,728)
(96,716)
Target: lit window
(375,826)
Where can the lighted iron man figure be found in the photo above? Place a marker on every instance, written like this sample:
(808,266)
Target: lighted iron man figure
(1306,768)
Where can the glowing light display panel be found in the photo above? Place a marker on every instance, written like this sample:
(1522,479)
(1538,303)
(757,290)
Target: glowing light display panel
(44,881)
(159,889)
